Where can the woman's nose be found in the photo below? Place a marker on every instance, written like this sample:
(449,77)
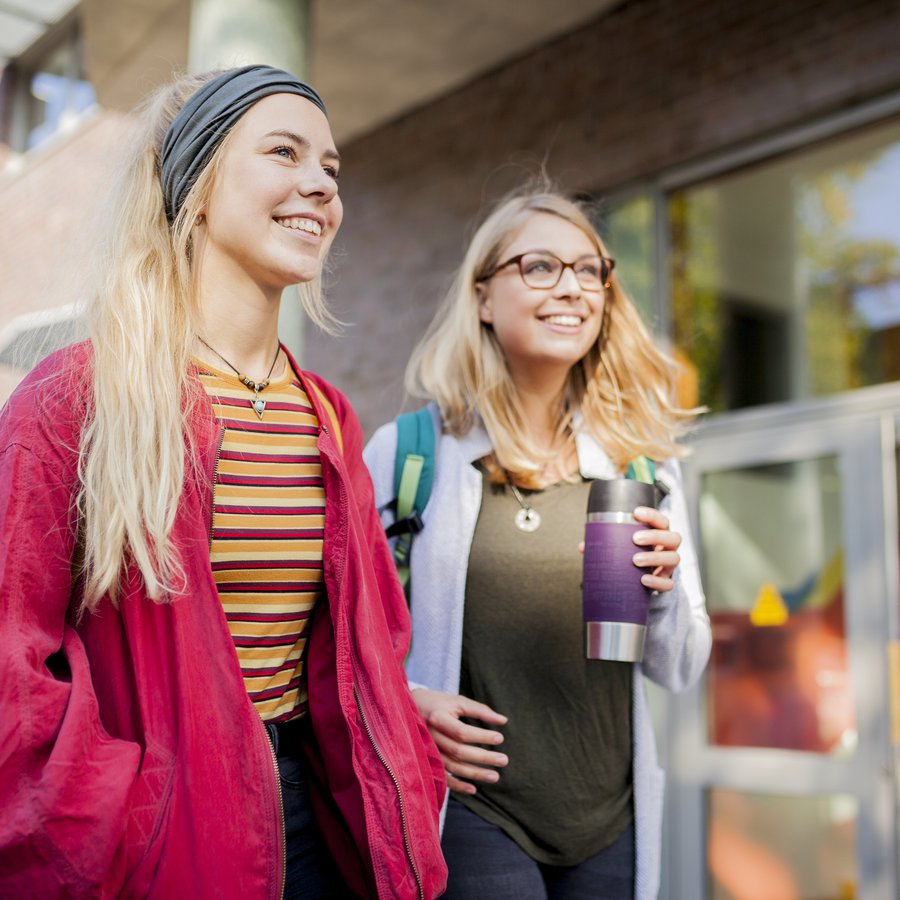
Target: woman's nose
(315,181)
(568,284)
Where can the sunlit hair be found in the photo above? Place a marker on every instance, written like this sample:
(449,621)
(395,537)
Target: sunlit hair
(621,392)
(142,322)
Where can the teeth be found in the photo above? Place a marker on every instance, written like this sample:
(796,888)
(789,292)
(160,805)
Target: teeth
(563,320)
(301,224)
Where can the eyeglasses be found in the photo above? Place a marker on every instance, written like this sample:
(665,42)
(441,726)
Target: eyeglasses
(543,270)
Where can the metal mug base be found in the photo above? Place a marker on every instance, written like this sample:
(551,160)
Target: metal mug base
(614,641)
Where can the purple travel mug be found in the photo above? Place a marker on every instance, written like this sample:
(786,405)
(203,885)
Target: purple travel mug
(614,600)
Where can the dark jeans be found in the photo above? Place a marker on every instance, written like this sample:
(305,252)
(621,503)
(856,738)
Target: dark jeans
(310,871)
(485,862)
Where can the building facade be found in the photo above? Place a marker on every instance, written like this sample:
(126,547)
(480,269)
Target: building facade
(743,163)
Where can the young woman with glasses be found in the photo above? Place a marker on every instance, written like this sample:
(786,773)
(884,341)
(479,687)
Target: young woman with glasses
(542,377)
(201,638)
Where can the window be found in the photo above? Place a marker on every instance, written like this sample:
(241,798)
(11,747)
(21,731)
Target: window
(45,89)
(785,277)
(628,229)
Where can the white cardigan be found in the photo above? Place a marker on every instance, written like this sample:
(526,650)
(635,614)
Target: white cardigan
(678,638)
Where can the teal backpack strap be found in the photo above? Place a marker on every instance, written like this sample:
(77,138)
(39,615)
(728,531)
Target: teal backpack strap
(642,468)
(415,438)
(413,478)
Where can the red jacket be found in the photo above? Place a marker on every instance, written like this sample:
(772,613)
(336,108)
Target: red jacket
(132,762)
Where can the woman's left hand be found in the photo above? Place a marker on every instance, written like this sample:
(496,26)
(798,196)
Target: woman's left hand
(659,551)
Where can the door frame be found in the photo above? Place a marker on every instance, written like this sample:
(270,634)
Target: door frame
(862,430)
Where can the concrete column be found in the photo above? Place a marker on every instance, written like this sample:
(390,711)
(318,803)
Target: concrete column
(226,33)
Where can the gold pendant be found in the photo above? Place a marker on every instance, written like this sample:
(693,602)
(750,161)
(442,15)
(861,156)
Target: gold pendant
(259,406)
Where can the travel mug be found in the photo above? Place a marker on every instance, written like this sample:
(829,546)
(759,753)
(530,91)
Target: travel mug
(615,602)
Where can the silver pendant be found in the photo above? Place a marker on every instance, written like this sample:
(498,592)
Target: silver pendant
(528,520)
(259,406)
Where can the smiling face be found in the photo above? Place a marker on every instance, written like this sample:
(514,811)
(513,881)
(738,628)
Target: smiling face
(274,209)
(543,332)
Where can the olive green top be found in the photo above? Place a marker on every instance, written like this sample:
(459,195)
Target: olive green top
(566,793)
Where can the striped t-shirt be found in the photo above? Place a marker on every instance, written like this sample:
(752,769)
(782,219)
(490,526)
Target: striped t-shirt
(267,529)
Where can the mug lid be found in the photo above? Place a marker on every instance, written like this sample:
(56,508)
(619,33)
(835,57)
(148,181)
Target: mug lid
(620,495)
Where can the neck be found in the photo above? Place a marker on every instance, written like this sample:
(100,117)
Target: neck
(541,400)
(540,394)
(242,326)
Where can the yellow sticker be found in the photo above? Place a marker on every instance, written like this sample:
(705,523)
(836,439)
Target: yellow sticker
(894,684)
(769,608)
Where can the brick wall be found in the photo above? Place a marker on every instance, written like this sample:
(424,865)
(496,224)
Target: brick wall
(653,84)
(49,212)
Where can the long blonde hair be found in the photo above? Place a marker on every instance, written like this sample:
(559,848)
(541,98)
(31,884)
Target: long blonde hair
(623,388)
(142,322)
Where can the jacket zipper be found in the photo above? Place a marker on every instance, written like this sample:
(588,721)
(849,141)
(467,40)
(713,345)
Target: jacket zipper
(387,766)
(215,481)
(390,771)
(280,892)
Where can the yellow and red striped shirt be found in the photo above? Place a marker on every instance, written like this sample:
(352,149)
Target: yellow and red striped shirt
(268,521)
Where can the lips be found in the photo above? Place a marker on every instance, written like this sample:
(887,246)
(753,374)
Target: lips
(301,223)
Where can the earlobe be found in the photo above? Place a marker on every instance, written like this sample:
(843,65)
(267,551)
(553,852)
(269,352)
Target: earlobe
(485,313)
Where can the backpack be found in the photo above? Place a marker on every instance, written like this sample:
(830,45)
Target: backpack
(414,476)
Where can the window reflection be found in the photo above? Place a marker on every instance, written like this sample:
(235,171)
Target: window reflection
(786,277)
(629,232)
(781,848)
(778,676)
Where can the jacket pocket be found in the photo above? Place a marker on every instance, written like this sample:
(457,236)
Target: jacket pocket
(144,832)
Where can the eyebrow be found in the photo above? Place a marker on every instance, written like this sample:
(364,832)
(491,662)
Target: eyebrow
(596,253)
(303,142)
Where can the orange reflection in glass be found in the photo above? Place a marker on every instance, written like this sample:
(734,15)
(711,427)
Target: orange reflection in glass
(771,847)
(783,686)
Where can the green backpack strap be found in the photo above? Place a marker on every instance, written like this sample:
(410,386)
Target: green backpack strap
(642,468)
(413,478)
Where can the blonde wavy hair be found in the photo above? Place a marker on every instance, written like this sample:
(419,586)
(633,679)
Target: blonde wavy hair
(622,390)
(142,321)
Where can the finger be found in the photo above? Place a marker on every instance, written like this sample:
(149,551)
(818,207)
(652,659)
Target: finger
(475,710)
(652,517)
(467,754)
(655,582)
(461,787)
(581,546)
(473,773)
(657,560)
(664,540)
(463,733)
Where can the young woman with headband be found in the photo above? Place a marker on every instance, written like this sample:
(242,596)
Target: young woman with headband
(542,377)
(201,634)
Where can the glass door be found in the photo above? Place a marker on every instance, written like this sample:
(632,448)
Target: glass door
(781,762)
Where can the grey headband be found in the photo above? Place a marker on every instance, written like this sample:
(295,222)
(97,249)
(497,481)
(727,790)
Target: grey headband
(207,117)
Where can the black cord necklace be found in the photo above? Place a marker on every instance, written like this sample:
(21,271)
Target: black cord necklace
(258,404)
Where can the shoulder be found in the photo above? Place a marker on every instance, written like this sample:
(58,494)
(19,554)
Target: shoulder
(384,440)
(331,397)
(668,472)
(333,403)
(334,399)
(382,446)
(380,452)
(49,406)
